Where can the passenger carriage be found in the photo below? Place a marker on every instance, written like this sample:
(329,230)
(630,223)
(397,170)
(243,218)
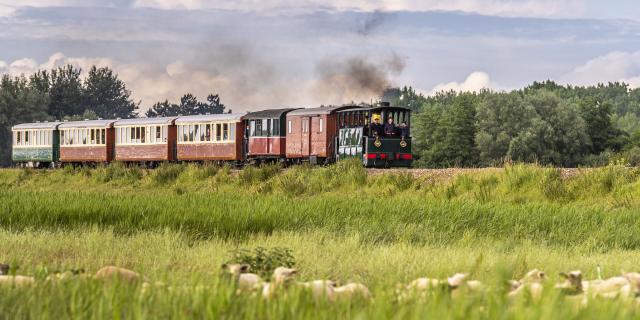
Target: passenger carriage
(35,144)
(216,137)
(265,135)
(311,134)
(89,141)
(358,139)
(145,140)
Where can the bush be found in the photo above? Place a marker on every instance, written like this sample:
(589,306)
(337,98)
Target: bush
(263,261)
(167,173)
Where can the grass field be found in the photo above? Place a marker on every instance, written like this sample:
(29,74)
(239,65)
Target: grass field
(177,224)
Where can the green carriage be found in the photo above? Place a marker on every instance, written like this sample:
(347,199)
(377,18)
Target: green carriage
(361,137)
(36,144)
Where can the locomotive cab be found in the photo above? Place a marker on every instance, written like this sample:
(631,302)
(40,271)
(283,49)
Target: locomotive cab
(379,135)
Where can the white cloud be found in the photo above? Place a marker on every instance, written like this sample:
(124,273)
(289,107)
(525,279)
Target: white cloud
(475,82)
(614,66)
(511,8)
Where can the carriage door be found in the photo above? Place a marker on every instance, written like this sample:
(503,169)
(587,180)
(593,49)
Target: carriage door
(306,136)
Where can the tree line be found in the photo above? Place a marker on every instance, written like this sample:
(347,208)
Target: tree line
(64,94)
(545,123)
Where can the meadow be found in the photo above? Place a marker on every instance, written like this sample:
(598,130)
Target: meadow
(178,223)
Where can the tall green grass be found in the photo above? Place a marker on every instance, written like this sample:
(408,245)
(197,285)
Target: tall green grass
(177,223)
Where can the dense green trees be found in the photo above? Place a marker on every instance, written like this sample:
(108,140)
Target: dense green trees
(189,105)
(545,122)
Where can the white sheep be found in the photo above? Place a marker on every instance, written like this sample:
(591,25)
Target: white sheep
(244,280)
(112,272)
(282,277)
(531,283)
(350,291)
(18,281)
(320,289)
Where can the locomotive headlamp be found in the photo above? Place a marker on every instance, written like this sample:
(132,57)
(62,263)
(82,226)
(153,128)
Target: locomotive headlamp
(377,143)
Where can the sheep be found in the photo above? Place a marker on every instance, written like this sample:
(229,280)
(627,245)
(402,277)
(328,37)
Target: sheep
(531,283)
(350,291)
(422,286)
(614,287)
(320,289)
(282,277)
(245,281)
(111,272)
(18,281)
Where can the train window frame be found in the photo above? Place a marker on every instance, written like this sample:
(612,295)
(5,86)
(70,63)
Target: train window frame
(276,127)
(207,132)
(218,132)
(320,125)
(225,132)
(290,126)
(232,131)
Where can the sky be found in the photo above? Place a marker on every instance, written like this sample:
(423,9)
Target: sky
(261,54)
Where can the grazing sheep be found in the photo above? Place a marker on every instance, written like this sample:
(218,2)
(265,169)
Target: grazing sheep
(235,269)
(245,281)
(4,269)
(320,289)
(282,277)
(530,283)
(420,287)
(18,281)
(350,291)
(613,287)
(111,272)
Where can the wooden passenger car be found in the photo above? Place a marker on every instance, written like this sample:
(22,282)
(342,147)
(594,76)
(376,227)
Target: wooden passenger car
(311,134)
(216,137)
(35,144)
(87,141)
(147,140)
(265,134)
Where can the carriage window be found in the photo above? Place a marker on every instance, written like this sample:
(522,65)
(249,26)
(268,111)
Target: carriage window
(268,128)
(196,133)
(218,131)
(321,125)
(93,136)
(180,137)
(191,132)
(207,132)
(258,128)
(276,127)
(252,128)
(203,133)
(143,131)
(225,132)
(289,126)
(103,135)
(18,134)
(232,131)
(164,133)
(158,133)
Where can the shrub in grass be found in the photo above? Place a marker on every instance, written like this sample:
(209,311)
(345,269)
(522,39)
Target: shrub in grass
(262,260)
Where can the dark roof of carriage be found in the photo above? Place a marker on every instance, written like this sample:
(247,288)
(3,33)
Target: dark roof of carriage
(371,108)
(269,113)
(321,110)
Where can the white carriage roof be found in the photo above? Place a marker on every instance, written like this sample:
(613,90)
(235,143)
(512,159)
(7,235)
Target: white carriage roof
(144,121)
(211,117)
(36,125)
(87,124)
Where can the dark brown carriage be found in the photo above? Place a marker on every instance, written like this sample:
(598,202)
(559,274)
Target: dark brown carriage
(265,134)
(311,134)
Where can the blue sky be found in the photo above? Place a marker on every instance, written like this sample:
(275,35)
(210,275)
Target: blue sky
(274,53)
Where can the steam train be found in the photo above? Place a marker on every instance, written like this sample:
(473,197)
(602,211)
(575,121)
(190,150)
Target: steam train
(315,135)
